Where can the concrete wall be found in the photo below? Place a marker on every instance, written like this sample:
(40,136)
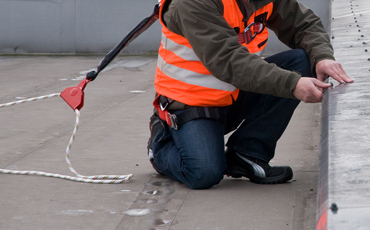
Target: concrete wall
(88,26)
(320,7)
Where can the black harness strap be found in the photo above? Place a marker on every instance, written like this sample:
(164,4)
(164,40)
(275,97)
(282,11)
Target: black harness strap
(196,113)
(134,33)
(161,104)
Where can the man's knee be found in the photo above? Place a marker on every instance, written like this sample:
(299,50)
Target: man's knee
(293,60)
(205,178)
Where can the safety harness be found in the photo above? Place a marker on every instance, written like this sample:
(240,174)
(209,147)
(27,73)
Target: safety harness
(161,104)
(250,32)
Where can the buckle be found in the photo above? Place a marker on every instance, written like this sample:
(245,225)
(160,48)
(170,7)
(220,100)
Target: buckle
(164,102)
(171,120)
(248,33)
(163,107)
(257,28)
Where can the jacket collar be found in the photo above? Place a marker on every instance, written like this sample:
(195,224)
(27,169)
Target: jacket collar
(246,9)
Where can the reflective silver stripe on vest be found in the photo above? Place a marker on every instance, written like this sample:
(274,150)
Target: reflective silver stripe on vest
(180,50)
(193,78)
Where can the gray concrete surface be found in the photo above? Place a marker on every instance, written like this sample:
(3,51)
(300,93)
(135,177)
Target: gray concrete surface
(344,162)
(112,140)
(91,26)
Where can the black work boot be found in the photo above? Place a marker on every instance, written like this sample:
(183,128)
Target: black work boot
(256,170)
(155,125)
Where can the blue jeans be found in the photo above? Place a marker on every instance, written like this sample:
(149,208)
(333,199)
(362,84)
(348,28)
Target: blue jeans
(195,154)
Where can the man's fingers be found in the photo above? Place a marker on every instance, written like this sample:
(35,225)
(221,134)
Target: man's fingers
(338,73)
(307,90)
(321,84)
(333,69)
(321,77)
(343,75)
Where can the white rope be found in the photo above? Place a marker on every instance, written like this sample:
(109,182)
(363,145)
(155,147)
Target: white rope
(98,179)
(30,99)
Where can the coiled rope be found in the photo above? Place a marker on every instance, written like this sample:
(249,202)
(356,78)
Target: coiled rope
(98,179)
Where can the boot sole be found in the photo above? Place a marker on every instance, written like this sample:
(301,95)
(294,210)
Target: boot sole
(237,172)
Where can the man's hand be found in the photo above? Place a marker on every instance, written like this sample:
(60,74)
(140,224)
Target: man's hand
(308,89)
(327,67)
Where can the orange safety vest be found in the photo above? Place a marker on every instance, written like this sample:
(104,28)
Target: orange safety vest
(181,76)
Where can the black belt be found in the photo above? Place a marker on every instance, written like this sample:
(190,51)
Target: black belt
(175,121)
(196,113)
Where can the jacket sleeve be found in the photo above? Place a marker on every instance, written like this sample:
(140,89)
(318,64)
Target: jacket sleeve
(299,27)
(216,44)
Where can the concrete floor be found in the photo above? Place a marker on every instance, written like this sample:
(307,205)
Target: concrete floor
(112,140)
